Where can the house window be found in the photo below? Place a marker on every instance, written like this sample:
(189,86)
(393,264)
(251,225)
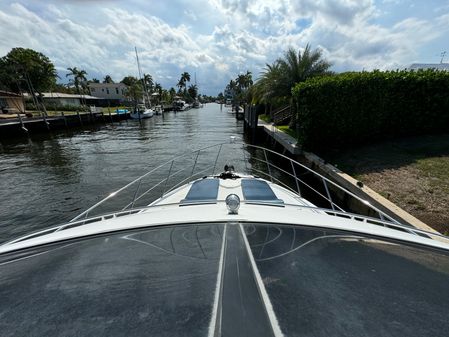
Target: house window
(116,91)
(102,89)
(93,89)
(107,91)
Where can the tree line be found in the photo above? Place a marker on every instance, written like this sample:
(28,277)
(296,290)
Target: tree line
(274,86)
(26,70)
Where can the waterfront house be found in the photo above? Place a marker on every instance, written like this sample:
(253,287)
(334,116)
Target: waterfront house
(11,102)
(59,99)
(436,66)
(113,93)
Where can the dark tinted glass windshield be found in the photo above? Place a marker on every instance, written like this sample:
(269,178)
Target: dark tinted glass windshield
(225,279)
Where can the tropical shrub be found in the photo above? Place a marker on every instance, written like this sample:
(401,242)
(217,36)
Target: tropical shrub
(52,107)
(352,108)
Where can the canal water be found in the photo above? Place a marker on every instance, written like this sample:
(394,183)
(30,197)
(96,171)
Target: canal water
(50,178)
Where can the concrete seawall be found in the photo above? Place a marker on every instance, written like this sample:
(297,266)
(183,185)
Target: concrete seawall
(19,127)
(329,171)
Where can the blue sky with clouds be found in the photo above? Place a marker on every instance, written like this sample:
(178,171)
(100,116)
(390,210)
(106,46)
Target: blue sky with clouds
(218,39)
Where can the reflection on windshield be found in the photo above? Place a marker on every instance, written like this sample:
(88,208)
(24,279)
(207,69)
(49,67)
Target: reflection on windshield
(225,279)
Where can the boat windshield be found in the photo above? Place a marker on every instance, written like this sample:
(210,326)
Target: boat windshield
(228,279)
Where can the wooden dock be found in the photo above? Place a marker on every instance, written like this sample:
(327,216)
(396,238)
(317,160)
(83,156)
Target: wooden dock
(23,126)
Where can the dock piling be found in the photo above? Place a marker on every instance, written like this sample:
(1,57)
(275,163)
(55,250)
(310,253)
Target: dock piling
(21,124)
(79,117)
(65,119)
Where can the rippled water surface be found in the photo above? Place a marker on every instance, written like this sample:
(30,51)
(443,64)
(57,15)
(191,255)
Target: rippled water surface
(50,178)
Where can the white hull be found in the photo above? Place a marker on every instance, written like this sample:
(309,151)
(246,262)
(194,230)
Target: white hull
(158,110)
(148,113)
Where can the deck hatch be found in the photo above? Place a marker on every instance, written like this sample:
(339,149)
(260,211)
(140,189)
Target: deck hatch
(258,190)
(202,190)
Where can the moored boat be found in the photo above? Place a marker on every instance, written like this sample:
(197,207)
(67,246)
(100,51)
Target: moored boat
(158,110)
(142,112)
(180,105)
(238,251)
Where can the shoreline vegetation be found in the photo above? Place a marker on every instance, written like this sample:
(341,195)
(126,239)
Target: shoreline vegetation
(411,172)
(26,71)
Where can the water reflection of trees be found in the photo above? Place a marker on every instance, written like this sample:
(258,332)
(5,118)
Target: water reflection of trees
(54,154)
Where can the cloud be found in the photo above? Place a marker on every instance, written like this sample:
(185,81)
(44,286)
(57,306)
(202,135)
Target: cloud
(191,15)
(219,38)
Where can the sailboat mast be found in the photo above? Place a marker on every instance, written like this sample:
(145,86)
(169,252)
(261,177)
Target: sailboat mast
(140,77)
(138,64)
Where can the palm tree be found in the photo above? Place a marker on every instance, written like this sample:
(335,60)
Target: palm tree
(267,88)
(108,79)
(298,67)
(148,81)
(158,89)
(193,91)
(244,81)
(172,93)
(276,82)
(134,92)
(231,89)
(185,77)
(79,78)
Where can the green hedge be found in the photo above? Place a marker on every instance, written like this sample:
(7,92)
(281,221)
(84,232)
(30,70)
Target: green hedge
(52,107)
(352,108)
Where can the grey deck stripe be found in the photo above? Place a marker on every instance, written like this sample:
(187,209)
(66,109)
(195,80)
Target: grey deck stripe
(216,316)
(263,292)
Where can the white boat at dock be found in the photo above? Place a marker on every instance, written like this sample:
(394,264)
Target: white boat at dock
(180,105)
(224,245)
(158,110)
(142,112)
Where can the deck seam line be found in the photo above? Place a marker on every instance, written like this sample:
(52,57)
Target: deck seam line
(218,287)
(263,292)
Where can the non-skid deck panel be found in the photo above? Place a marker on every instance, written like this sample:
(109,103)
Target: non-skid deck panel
(202,190)
(243,310)
(258,190)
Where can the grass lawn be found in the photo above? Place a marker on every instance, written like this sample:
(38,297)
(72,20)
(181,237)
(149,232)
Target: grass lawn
(287,130)
(265,118)
(413,173)
(283,128)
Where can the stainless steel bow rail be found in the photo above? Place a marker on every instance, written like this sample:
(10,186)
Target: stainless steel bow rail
(246,158)
(346,215)
(141,193)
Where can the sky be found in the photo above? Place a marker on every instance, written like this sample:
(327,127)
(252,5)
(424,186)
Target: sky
(219,39)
